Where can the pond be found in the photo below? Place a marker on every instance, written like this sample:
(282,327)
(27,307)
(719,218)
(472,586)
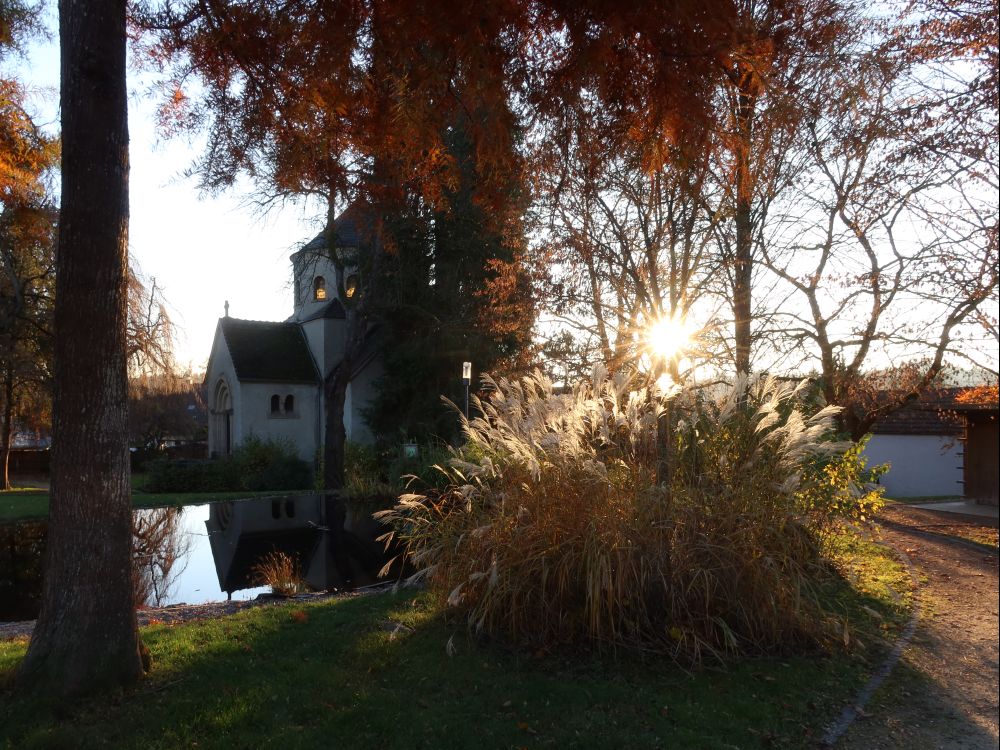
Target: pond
(203,553)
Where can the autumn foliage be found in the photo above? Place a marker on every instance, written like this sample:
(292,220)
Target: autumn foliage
(301,95)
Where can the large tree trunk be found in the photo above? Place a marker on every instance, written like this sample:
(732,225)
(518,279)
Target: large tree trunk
(7,428)
(336,381)
(335,395)
(357,313)
(743,261)
(86,637)
(335,436)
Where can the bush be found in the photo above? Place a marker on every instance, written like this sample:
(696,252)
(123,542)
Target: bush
(423,473)
(256,465)
(561,534)
(270,465)
(185,475)
(364,478)
(370,474)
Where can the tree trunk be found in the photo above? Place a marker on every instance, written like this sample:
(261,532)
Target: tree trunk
(86,637)
(335,436)
(743,261)
(335,385)
(8,422)
(336,381)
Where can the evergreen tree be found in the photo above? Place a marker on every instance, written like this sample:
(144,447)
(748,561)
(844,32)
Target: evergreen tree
(457,291)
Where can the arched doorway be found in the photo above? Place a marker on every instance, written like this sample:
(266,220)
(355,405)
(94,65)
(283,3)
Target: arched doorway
(221,437)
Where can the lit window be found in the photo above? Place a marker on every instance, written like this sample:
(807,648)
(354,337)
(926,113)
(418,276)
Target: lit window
(351,285)
(319,288)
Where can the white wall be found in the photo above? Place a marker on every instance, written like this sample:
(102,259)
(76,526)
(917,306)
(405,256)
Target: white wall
(304,271)
(326,341)
(315,332)
(360,392)
(920,465)
(299,427)
(221,368)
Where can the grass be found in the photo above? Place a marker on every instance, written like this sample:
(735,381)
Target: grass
(879,596)
(373,672)
(28,504)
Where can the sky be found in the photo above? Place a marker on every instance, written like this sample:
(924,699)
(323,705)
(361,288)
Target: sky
(201,250)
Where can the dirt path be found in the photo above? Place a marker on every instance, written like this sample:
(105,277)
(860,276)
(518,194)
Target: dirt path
(943,693)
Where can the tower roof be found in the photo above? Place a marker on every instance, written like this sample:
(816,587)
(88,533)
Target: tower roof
(353,228)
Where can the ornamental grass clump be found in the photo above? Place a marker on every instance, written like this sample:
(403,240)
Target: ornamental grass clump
(560,533)
(280,571)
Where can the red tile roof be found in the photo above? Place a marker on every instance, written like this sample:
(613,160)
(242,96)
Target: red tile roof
(939,412)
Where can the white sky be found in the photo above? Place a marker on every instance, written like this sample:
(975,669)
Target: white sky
(201,251)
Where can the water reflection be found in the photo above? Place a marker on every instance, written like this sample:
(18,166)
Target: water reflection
(22,561)
(159,554)
(208,552)
(332,544)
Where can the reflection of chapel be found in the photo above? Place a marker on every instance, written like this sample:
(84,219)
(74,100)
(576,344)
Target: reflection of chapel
(266,379)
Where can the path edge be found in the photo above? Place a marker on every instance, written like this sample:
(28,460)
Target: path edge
(852,711)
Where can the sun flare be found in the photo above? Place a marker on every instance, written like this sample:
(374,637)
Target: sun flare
(668,337)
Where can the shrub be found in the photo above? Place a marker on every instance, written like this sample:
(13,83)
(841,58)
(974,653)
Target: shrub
(254,466)
(561,534)
(270,465)
(842,487)
(184,475)
(373,475)
(364,478)
(422,473)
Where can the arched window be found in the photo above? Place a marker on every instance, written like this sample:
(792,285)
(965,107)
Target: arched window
(351,286)
(289,404)
(275,404)
(319,288)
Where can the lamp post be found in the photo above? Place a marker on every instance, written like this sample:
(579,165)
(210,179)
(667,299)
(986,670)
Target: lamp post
(466,379)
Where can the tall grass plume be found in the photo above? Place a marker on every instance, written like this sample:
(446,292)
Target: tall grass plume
(559,532)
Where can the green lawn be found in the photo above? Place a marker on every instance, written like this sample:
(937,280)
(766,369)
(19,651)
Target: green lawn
(24,504)
(335,674)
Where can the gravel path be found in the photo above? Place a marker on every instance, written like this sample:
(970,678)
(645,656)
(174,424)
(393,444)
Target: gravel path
(944,692)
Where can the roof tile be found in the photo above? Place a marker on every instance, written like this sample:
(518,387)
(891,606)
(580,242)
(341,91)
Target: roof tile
(273,352)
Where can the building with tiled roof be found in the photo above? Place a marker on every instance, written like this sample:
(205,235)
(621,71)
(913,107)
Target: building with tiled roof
(942,444)
(265,378)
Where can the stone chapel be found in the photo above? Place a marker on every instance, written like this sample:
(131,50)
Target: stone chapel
(266,378)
